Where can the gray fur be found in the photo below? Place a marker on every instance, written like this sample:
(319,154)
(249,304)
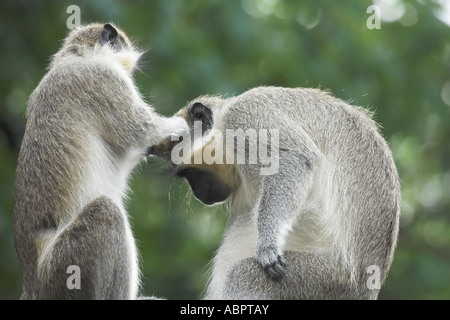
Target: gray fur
(335,198)
(86,129)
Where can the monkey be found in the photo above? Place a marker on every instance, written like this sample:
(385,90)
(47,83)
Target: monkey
(87,127)
(323,224)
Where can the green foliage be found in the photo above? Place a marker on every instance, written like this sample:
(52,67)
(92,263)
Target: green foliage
(400,71)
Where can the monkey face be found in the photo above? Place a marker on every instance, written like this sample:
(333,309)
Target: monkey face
(210,183)
(207,187)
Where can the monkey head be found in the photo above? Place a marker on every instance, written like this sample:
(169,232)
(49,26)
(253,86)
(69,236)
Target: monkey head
(96,36)
(210,182)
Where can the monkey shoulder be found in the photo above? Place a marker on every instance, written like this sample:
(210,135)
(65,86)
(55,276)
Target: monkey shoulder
(83,78)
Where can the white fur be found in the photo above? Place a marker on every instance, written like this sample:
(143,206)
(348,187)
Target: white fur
(238,243)
(108,176)
(126,59)
(105,176)
(317,227)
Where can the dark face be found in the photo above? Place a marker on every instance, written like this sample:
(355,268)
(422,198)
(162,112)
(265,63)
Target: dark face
(206,186)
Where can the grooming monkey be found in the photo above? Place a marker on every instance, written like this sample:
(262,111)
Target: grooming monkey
(87,128)
(324,225)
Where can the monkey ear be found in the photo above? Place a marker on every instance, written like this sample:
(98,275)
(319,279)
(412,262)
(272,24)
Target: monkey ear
(199,112)
(110,35)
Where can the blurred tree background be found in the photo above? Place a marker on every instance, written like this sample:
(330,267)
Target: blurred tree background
(401,71)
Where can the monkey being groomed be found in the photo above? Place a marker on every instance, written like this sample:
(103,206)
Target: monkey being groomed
(87,128)
(323,224)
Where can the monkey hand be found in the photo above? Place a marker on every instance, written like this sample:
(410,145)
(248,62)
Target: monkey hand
(179,129)
(271,260)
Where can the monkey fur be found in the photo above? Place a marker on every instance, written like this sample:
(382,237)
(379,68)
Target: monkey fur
(315,228)
(87,128)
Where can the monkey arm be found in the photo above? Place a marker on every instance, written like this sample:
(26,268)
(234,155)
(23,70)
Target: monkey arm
(282,196)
